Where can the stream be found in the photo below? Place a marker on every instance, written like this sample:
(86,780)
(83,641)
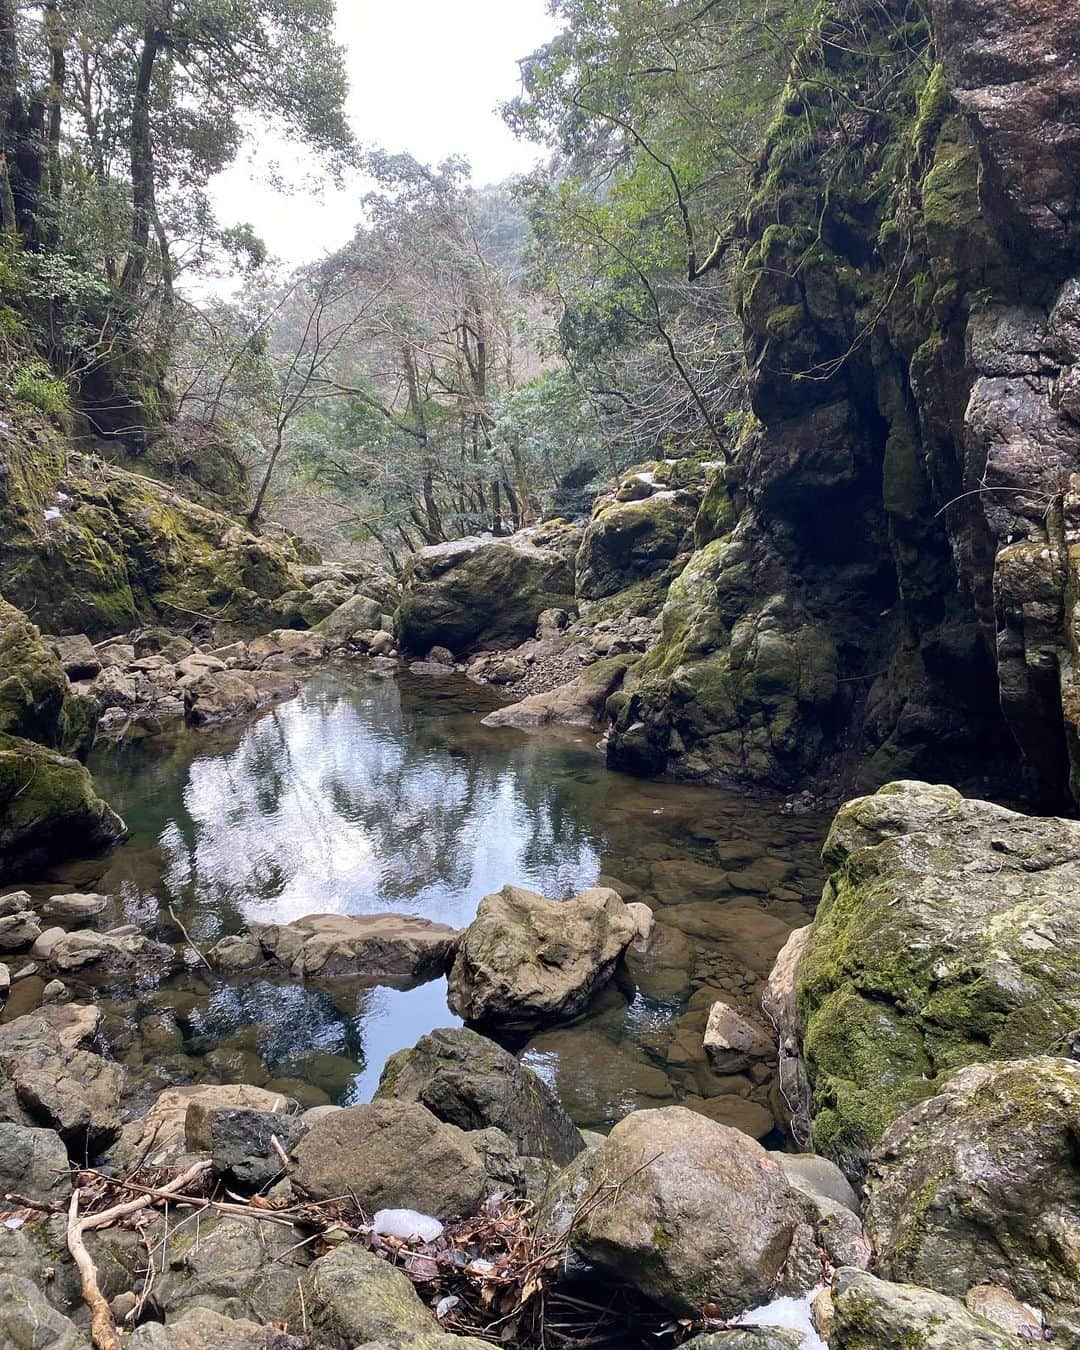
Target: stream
(369,794)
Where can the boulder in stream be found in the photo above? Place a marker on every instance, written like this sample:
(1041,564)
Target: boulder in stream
(483,591)
(526,961)
(471,1082)
(689,1212)
(333,946)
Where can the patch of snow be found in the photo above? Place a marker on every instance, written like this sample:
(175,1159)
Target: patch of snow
(793,1313)
(405,1224)
(52,513)
(62,497)
(14,1222)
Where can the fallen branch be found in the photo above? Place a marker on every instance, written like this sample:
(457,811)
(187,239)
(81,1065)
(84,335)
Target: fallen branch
(102,1327)
(176,920)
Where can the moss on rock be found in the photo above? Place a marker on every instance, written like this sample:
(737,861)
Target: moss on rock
(48,807)
(948,934)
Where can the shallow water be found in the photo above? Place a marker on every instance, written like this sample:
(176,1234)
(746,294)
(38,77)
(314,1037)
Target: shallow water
(368,794)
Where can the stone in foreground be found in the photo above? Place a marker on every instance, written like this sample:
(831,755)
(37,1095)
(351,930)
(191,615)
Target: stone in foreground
(352,1297)
(871,1314)
(526,961)
(471,1082)
(390,1155)
(948,933)
(982,1183)
(696,1213)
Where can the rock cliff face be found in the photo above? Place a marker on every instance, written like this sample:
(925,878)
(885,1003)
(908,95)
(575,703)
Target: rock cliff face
(887,575)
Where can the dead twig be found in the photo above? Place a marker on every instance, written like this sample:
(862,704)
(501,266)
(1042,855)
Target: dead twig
(102,1327)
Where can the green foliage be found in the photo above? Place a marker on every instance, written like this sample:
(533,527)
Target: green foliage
(35,384)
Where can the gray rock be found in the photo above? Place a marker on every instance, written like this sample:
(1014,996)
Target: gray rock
(379,946)
(76,654)
(356,614)
(982,1183)
(33,1163)
(108,951)
(503,1169)
(351,1297)
(15,902)
(179,1121)
(732,1042)
(749,1338)
(48,1079)
(471,1082)
(390,1155)
(74,906)
(815,1175)
(28,1322)
(695,1213)
(243,1154)
(202,1329)
(19,930)
(871,1314)
(526,961)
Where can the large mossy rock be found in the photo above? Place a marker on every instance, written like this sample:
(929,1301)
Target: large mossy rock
(48,807)
(36,698)
(640,528)
(471,1082)
(97,549)
(948,933)
(486,592)
(231,1265)
(873,1314)
(688,1211)
(352,1297)
(739,686)
(526,961)
(982,1184)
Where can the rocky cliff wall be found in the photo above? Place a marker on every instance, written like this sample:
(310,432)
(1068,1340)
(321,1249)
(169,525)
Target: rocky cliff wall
(888,575)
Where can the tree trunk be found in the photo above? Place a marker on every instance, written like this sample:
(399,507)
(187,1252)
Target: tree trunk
(9,98)
(256,511)
(54,30)
(142,165)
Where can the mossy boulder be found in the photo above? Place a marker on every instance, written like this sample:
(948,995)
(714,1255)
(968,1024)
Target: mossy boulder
(873,1314)
(982,1184)
(948,934)
(96,549)
(739,686)
(36,699)
(484,591)
(637,530)
(48,807)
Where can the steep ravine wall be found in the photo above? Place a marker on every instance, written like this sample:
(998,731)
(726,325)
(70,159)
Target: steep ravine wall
(888,577)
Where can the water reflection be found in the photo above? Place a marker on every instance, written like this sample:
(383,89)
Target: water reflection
(350,800)
(365,795)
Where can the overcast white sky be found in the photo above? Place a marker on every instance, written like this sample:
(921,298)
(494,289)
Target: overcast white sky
(426,76)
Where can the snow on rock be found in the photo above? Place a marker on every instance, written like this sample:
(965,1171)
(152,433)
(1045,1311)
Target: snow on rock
(405,1224)
(793,1313)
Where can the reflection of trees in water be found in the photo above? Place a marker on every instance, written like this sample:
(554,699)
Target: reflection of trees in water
(354,796)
